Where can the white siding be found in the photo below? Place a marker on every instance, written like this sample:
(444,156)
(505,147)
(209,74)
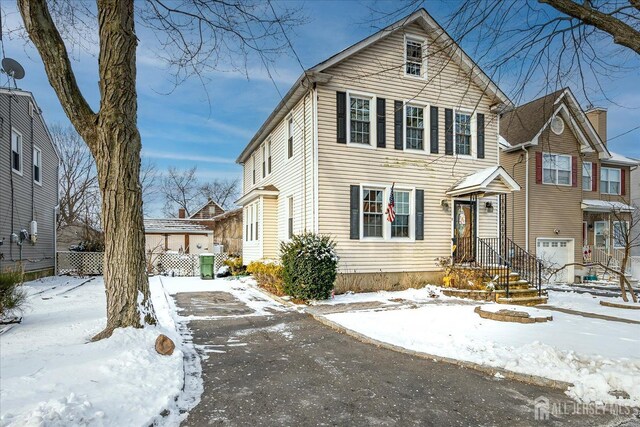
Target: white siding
(341,165)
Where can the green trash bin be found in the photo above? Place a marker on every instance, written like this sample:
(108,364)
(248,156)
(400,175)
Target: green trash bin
(206,266)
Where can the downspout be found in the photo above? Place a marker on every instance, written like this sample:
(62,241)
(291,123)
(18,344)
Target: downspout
(526,200)
(304,159)
(315,157)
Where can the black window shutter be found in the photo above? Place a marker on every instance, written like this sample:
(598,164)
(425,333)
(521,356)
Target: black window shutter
(434,130)
(480,128)
(355,213)
(381,127)
(448,131)
(397,124)
(341,115)
(419,214)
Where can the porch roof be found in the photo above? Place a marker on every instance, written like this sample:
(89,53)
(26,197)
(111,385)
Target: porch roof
(266,191)
(605,206)
(486,182)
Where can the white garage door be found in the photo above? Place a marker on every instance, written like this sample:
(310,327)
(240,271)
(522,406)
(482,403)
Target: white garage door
(555,253)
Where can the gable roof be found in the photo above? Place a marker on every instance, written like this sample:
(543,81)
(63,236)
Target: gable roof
(523,125)
(483,182)
(207,203)
(316,73)
(26,93)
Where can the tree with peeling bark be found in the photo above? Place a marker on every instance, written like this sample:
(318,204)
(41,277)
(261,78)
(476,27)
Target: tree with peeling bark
(196,36)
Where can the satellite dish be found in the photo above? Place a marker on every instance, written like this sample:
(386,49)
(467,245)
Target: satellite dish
(12,68)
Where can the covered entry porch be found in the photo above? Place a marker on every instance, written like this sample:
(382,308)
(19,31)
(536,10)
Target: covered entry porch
(605,232)
(504,263)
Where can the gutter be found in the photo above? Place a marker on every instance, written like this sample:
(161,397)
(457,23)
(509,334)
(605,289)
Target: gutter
(526,198)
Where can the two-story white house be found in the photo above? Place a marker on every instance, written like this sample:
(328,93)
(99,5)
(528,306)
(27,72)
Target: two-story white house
(405,107)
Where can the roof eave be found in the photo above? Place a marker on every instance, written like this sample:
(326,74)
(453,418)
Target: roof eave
(290,99)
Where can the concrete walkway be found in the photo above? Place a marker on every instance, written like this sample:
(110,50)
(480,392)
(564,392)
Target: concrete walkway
(287,369)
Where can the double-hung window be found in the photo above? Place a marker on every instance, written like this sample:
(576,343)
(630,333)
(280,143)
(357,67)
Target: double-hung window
(264,159)
(414,121)
(360,120)
(290,218)
(253,170)
(587,179)
(290,138)
(16,151)
(463,134)
(372,212)
(400,225)
(256,214)
(620,229)
(268,144)
(37,165)
(413,58)
(556,169)
(610,180)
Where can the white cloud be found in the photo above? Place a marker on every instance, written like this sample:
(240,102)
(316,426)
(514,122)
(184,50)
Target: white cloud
(188,157)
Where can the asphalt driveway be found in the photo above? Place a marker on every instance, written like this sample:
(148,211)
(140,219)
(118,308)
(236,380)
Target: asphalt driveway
(285,368)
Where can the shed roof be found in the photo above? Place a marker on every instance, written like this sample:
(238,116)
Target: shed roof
(175,225)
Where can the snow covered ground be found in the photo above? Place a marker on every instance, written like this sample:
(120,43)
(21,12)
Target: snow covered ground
(591,304)
(51,375)
(597,356)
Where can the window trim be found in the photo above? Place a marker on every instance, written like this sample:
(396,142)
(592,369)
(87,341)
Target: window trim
(613,233)
(426,121)
(33,165)
(608,181)
(570,184)
(16,171)
(290,130)
(372,115)
(386,225)
(605,231)
(290,217)
(472,129)
(590,177)
(423,67)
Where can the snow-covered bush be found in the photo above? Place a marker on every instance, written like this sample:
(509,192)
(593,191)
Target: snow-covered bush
(12,295)
(309,266)
(236,266)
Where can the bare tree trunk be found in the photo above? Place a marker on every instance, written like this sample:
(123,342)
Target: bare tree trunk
(114,140)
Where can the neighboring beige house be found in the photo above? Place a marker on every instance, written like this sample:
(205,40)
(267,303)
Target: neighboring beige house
(209,228)
(405,106)
(575,192)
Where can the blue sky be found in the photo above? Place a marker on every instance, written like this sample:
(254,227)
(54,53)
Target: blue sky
(189,127)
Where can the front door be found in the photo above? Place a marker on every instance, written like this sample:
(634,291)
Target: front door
(601,235)
(464,230)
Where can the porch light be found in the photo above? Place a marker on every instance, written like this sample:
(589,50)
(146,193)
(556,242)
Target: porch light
(445,204)
(489,206)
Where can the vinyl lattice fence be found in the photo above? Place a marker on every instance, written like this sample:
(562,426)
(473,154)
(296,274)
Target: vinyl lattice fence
(165,263)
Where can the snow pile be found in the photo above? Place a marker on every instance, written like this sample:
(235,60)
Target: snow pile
(597,356)
(427,294)
(52,375)
(588,303)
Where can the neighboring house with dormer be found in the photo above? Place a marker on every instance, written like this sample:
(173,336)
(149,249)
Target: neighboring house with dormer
(405,107)
(29,162)
(575,192)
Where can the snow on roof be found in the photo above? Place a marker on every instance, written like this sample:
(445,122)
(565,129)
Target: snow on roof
(168,225)
(479,181)
(619,158)
(605,206)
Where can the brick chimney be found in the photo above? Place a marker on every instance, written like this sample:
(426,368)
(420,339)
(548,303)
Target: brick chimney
(181,213)
(598,118)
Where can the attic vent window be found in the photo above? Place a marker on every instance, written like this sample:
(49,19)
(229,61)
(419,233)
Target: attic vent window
(413,52)
(557,125)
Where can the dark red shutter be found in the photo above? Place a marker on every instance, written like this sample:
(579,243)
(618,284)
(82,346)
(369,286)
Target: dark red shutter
(594,177)
(623,182)
(574,171)
(538,168)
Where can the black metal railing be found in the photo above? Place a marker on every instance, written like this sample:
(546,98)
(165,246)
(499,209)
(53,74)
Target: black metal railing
(498,257)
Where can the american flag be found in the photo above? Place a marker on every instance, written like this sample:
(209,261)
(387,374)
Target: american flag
(391,207)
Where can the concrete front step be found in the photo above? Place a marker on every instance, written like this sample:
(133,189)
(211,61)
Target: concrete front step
(528,301)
